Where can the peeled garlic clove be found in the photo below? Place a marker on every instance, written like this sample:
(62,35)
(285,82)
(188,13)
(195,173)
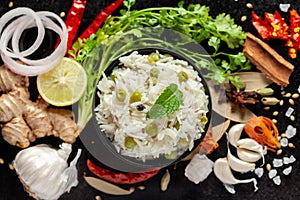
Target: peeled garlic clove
(44,171)
(223,173)
(234,133)
(239,165)
(248,156)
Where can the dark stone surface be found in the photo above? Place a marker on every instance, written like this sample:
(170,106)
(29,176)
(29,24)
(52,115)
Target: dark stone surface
(180,188)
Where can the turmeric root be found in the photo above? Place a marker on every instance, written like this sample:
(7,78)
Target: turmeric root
(25,121)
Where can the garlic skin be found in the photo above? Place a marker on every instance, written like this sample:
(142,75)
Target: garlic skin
(44,171)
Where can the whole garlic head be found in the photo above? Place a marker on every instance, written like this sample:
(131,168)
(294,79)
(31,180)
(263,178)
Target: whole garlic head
(44,171)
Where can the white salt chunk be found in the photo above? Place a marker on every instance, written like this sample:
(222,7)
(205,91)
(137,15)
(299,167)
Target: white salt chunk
(259,172)
(284,142)
(277,180)
(289,160)
(199,168)
(272,173)
(284,7)
(229,188)
(289,112)
(277,162)
(292,159)
(290,131)
(287,171)
(299,89)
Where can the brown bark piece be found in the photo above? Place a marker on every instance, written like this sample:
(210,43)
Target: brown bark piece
(267,60)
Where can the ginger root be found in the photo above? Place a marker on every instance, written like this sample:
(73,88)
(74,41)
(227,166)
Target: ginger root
(23,121)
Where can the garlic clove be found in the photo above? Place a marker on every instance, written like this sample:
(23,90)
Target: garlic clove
(248,156)
(44,171)
(224,174)
(239,165)
(253,146)
(234,133)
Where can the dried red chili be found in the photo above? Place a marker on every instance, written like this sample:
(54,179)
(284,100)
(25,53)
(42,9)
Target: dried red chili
(73,20)
(100,18)
(119,177)
(294,40)
(262,26)
(280,28)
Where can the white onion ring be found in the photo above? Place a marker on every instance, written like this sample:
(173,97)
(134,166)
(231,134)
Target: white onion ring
(42,20)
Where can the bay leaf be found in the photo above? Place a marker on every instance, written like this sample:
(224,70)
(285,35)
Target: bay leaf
(106,187)
(253,80)
(219,130)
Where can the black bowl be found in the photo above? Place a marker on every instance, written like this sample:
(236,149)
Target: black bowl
(104,151)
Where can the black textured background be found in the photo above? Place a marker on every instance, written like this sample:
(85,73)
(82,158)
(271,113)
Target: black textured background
(179,187)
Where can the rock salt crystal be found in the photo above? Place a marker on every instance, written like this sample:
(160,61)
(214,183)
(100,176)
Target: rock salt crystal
(272,173)
(259,172)
(287,171)
(277,162)
(289,112)
(199,168)
(277,180)
(284,7)
(290,131)
(284,142)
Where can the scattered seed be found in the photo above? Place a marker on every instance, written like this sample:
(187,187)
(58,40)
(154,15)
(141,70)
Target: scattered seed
(275,113)
(62,14)
(243,18)
(277,180)
(131,189)
(281,102)
(282,92)
(287,171)
(259,172)
(292,118)
(272,173)
(289,112)
(11,166)
(291,101)
(279,151)
(278,138)
(295,95)
(141,187)
(98,197)
(1,161)
(274,121)
(10,4)
(268,166)
(283,135)
(267,108)
(165,180)
(291,145)
(249,5)
(287,95)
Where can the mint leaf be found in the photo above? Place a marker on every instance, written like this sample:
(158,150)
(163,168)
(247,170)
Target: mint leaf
(167,103)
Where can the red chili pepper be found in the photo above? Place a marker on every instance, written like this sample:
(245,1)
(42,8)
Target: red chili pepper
(294,41)
(119,177)
(280,28)
(100,18)
(73,20)
(262,26)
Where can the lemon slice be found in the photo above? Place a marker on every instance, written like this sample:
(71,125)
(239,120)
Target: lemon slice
(64,84)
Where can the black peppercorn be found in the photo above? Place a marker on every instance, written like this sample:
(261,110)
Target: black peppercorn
(140,107)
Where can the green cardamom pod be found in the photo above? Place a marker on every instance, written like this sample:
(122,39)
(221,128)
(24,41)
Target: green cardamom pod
(265,92)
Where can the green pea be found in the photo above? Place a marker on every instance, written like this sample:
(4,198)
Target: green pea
(171,156)
(135,97)
(203,119)
(130,143)
(152,58)
(151,129)
(154,72)
(183,76)
(121,94)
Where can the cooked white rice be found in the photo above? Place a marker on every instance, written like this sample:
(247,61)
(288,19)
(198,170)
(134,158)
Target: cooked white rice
(121,119)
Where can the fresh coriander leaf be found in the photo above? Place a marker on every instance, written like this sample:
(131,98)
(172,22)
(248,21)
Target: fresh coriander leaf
(214,42)
(167,103)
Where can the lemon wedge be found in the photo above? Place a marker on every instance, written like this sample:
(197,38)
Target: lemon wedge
(64,84)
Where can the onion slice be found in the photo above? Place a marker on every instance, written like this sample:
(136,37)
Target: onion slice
(24,18)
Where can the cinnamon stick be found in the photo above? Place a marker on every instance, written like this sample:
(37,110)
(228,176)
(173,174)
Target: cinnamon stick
(267,60)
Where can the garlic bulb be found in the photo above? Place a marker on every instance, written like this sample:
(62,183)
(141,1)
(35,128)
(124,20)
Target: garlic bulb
(44,171)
